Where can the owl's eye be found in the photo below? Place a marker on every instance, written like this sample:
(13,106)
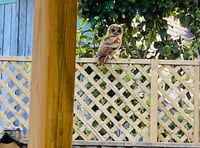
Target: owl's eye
(113,30)
(119,30)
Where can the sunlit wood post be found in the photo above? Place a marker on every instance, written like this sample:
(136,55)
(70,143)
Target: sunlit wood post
(53,67)
(154,102)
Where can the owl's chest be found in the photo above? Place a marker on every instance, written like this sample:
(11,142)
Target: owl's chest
(112,43)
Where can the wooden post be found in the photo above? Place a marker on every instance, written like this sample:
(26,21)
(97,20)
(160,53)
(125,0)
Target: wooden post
(196,104)
(154,101)
(53,68)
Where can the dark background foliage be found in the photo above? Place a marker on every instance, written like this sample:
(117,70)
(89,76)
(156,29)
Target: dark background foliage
(143,22)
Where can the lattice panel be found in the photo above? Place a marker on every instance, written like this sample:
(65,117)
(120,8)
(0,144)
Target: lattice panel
(15,95)
(176,103)
(112,103)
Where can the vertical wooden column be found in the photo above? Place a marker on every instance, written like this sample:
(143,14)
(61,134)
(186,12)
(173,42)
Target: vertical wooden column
(53,67)
(196,127)
(154,101)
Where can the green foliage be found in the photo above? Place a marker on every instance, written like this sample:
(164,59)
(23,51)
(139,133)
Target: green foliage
(86,40)
(143,21)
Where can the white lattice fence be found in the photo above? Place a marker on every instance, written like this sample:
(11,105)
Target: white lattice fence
(15,92)
(127,100)
(178,99)
(137,100)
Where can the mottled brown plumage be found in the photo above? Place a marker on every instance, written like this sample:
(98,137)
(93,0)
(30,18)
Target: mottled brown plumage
(110,44)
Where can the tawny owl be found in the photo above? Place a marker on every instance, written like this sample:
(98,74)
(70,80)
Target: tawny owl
(110,44)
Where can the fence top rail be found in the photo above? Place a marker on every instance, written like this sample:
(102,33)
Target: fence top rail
(142,61)
(16,58)
(116,61)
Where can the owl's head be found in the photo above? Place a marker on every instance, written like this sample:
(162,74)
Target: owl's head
(115,30)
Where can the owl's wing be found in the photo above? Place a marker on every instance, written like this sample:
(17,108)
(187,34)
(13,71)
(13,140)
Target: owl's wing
(107,46)
(102,56)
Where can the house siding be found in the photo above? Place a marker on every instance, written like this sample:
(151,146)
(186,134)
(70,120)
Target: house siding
(16,28)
